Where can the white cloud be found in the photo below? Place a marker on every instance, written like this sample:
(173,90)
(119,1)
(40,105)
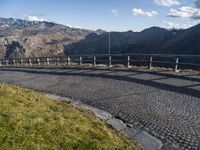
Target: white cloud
(172,25)
(35,18)
(115,12)
(185,12)
(140,12)
(167,3)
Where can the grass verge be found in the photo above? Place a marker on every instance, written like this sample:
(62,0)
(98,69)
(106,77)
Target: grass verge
(29,120)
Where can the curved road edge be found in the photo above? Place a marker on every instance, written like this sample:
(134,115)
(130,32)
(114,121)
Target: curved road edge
(145,140)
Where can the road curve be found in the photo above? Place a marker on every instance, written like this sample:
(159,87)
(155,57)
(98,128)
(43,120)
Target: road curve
(164,104)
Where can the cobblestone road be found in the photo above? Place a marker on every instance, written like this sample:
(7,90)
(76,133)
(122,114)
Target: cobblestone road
(166,105)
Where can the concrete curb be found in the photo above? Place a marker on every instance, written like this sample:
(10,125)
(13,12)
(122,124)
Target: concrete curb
(144,139)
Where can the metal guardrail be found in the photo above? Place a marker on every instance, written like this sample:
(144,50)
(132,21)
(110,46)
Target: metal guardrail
(150,60)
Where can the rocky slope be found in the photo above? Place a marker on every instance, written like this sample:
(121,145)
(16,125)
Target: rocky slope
(21,38)
(153,40)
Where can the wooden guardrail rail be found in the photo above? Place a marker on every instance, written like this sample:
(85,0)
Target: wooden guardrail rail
(151,60)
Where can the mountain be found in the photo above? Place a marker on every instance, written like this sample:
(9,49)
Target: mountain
(186,42)
(152,40)
(22,38)
(148,41)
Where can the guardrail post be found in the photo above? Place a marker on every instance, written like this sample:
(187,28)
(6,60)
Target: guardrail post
(38,61)
(110,61)
(94,61)
(80,61)
(58,61)
(68,61)
(30,62)
(48,61)
(6,62)
(14,62)
(21,62)
(150,62)
(176,65)
(128,61)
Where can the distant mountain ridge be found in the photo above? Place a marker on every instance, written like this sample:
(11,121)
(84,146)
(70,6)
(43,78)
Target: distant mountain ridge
(22,38)
(154,40)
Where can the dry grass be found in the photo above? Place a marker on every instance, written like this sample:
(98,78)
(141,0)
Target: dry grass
(118,65)
(189,71)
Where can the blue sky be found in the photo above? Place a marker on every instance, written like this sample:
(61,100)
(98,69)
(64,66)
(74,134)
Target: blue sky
(115,15)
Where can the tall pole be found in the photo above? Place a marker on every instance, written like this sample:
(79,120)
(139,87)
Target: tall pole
(109,43)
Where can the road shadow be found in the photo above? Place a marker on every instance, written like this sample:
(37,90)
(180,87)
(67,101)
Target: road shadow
(186,90)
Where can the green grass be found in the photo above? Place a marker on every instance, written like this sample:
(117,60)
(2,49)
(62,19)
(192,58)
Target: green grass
(31,121)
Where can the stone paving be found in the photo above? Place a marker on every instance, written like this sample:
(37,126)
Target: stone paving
(164,104)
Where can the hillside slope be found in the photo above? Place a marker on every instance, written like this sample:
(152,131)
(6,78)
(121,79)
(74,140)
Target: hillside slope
(21,38)
(29,120)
